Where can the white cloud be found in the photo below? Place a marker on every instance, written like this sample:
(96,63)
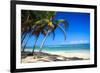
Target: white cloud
(75,42)
(78,42)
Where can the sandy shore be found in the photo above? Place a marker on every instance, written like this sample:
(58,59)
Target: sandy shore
(73,54)
(53,56)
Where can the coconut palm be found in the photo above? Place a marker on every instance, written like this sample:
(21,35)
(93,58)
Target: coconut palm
(25,25)
(56,25)
(28,20)
(36,22)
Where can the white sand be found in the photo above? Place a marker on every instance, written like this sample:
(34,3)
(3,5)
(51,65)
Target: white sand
(69,54)
(80,54)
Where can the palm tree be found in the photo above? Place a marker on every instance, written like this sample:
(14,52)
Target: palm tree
(25,25)
(33,22)
(57,24)
(36,22)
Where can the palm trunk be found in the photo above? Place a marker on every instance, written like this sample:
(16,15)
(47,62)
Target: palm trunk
(22,34)
(44,40)
(26,43)
(62,30)
(34,44)
(24,37)
(53,34)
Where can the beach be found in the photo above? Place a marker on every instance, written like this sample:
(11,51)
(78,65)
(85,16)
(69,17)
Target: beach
(50,56)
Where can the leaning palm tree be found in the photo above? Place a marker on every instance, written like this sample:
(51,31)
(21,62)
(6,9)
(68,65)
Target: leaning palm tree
(28,25)
(25,25)
(56,25)
(33,22)
(41,25)
(41,22)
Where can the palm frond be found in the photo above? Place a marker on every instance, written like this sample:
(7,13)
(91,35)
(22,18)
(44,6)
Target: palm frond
(53,34)
(64,32)
(65,22)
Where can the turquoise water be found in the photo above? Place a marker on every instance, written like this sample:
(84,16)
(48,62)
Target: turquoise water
(69,47)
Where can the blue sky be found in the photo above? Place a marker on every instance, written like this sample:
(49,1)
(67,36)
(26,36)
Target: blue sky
(77,32)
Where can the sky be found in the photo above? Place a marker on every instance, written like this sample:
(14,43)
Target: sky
(78,30)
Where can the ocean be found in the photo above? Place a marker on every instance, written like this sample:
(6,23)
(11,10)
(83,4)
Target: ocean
(63,48)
